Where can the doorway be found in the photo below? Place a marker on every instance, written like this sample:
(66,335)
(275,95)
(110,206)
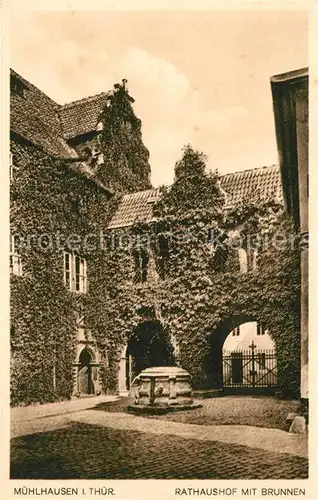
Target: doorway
(87,373)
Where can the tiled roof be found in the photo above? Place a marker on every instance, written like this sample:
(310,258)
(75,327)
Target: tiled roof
(81,117)
(134,207)
(239,185)
(264,181)
(35,118)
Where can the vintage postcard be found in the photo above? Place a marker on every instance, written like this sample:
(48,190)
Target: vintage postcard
(157,179)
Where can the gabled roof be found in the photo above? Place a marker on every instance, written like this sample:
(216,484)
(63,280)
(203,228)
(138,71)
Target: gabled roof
(80,117)
(264,181)
(35,118)
(134,207)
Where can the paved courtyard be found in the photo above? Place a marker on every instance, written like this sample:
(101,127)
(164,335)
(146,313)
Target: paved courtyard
(258,411)
(82,442)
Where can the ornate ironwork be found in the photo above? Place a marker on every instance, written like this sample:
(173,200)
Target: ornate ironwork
(254,369)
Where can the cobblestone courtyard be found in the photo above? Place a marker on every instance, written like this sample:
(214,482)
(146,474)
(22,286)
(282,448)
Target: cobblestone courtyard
(80,442)
(90,452)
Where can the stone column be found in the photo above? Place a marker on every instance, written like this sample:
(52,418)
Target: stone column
(302,154)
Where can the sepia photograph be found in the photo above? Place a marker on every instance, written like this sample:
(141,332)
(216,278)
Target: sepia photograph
(158,175)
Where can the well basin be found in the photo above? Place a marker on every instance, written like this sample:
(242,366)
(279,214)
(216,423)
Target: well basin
(160,389)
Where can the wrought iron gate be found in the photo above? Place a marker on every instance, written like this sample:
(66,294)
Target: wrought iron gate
(250,371)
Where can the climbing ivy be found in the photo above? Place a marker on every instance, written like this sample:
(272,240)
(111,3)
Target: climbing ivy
(196,297)
(126,159)
(186,290)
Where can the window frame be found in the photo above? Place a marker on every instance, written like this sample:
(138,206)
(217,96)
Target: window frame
(75,272)
(236,331)
(141,265)
(261,330)
(16,267)
(12,167)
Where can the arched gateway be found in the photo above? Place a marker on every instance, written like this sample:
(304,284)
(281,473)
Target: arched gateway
(148,346)
(242,357)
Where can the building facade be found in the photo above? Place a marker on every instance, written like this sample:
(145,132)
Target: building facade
(290,99)
(103,281)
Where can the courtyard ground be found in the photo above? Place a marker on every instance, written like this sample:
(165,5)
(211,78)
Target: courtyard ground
(79,441)
(258,411)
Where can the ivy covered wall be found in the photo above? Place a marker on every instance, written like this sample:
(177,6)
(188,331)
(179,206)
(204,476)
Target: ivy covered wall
(53,208)
(194,288)
(199,293)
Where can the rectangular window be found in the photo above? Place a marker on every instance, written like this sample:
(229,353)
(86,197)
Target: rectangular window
(164,255)
(15,257)
(12,167)
(80,274)
(260,329)
(236,331)
(75,273)
(67,270)
(242,254)
(141,265)
(255,260)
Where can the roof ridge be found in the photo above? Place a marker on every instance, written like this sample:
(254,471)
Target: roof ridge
(83,99)
(264,167)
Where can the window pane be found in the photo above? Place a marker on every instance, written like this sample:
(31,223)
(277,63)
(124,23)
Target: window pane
(82,284)
(68,279)
(66,261)
(83,267)
(77,283)
(77,264)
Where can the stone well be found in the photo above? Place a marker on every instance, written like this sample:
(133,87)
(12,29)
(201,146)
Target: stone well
(161,389)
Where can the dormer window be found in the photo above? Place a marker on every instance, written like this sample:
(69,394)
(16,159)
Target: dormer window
(17,86)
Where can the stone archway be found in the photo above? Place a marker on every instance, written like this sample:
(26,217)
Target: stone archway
(234,367)
(149,345)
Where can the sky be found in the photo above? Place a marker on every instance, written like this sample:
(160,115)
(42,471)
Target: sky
(199,78)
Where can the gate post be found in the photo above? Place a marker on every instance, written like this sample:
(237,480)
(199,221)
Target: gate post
(253,372)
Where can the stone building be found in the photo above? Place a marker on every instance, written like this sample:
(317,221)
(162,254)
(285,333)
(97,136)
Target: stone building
(85,321)
(56,167)
(290,100)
